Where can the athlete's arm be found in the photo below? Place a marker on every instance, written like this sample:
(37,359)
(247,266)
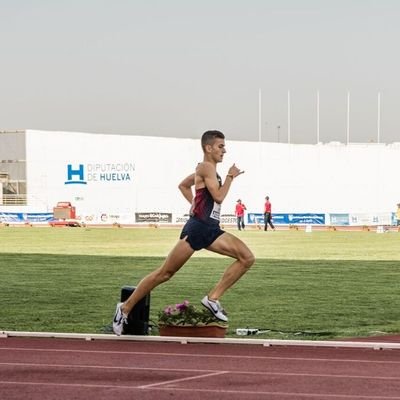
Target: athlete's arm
(207,173)
(186,188)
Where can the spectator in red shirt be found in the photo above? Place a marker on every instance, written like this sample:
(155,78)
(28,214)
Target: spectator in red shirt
(268,215)
(239,212)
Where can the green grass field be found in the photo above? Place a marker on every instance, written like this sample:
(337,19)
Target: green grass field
(303,285)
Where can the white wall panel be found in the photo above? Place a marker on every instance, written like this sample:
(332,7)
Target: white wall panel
(298,178)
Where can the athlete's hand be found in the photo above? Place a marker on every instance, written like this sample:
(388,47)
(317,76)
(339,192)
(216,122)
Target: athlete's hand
(234,171)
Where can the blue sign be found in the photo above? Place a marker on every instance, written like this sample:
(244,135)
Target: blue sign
(288,219)
(25,217)
(75,176)
(81,174)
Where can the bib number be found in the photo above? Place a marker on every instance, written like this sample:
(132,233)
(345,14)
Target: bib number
(216,211)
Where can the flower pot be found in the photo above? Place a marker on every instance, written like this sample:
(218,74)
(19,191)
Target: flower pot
(193,331)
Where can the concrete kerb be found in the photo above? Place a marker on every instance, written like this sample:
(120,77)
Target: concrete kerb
(186,340)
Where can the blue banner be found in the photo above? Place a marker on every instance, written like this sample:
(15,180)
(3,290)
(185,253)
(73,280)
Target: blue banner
(288,219)
(25,217)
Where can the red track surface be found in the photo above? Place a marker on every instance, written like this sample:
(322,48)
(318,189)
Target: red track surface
(65,369)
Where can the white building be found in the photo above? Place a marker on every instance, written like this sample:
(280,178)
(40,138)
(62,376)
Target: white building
(130,179)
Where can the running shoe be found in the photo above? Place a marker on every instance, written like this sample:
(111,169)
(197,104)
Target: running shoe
(215,307)
(120,319)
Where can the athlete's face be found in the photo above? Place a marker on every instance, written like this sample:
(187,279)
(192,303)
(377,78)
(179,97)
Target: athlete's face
(218,150)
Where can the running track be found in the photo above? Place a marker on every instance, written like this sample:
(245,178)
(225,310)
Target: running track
(33,368)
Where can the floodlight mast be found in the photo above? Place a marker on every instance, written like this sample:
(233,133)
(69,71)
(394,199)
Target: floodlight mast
(317,116)
(288,116)
(379,118)
(348,118)
(259,115)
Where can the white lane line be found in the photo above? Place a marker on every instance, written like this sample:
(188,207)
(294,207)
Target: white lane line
(189,378)
(127,353)
(296,395)
(80,385)
(111,367)
(209,372)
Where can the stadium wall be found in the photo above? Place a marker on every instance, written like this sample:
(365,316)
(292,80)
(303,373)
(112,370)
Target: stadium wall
(134,179)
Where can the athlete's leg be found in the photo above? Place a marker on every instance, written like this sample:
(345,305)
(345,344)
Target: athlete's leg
(230,245)
(174,261)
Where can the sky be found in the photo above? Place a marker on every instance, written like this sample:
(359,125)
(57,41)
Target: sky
(180,67)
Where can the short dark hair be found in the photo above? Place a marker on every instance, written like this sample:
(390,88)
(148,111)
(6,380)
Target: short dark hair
(209,137)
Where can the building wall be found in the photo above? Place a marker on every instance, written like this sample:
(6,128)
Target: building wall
(12,168)
(316,178)
(120,175)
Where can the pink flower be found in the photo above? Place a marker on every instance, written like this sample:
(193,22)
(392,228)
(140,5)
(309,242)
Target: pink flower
(168,310)
(182,307)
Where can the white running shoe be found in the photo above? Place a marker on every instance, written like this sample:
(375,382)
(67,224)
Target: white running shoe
(120,319)
(215,307)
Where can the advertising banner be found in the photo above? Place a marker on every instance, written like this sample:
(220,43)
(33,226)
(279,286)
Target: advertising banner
(339,219)
(25,217)
(106,218)
(153,217)
(288,219)
(361,219)
(228,219)
(225,219)
(181,219)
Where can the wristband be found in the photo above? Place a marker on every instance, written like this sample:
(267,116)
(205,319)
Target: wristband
(230,176)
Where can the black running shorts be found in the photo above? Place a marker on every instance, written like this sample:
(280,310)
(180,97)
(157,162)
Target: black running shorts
(199,234)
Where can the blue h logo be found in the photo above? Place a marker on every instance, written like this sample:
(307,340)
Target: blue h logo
(75,172)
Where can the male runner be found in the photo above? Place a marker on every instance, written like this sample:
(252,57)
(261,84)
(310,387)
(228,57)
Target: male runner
(201,231)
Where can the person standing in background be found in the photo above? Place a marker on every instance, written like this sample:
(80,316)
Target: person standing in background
(239,212)
(268,215)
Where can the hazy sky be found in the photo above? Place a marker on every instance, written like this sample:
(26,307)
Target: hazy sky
(179,67)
